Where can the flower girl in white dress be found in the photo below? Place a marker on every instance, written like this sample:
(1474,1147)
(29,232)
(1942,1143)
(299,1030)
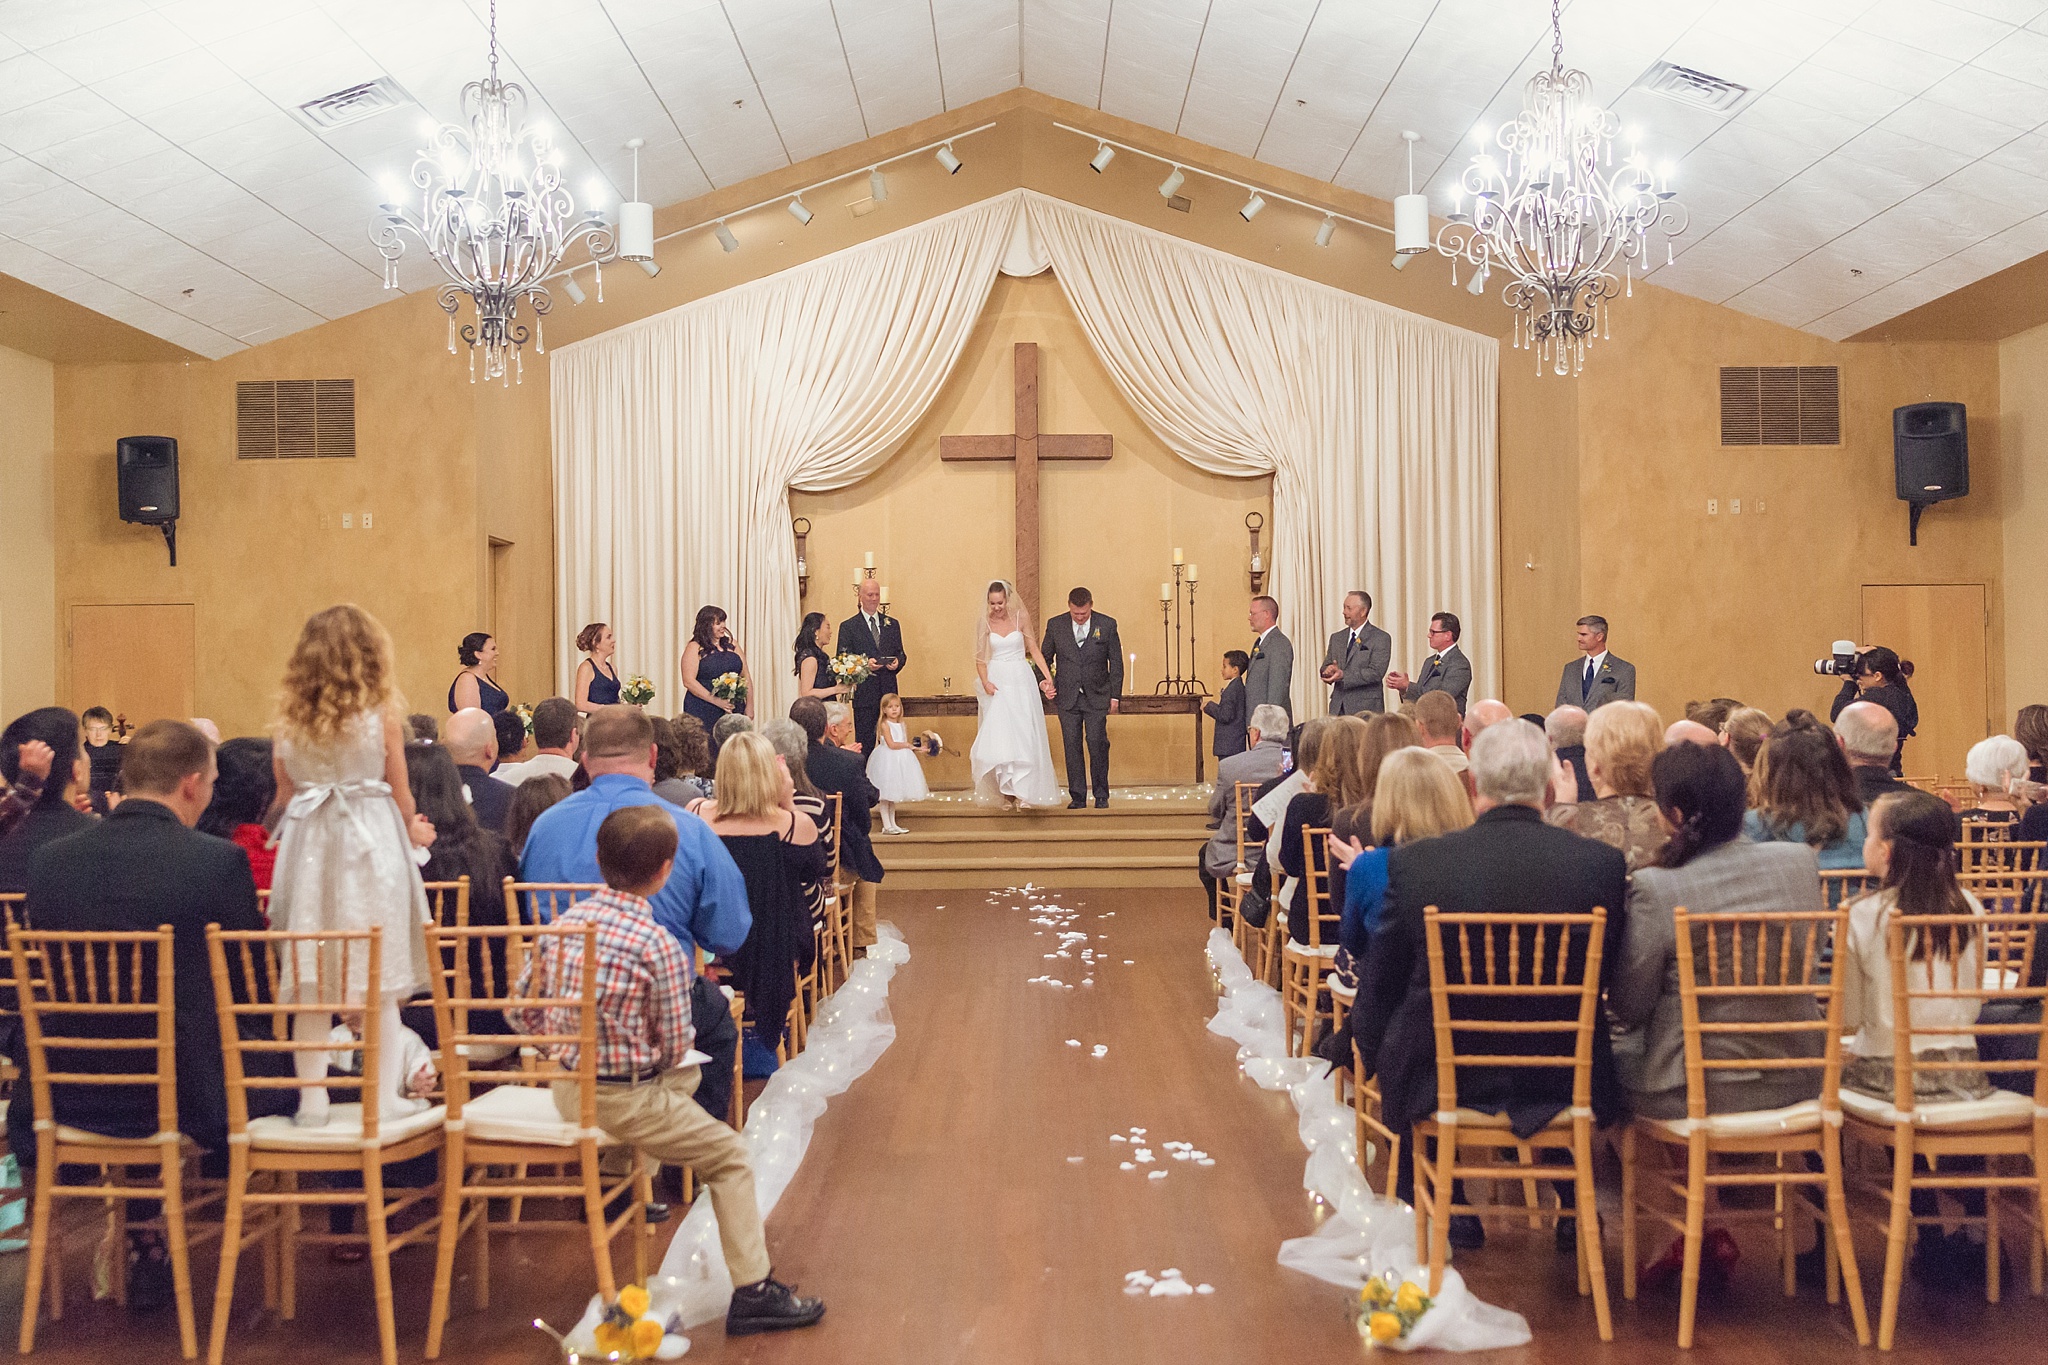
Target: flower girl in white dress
(345,847)
(894,767)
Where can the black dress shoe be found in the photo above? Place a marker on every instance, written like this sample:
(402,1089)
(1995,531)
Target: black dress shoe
(1102,803)
(150,1287)
(1077,804)
(1467,1232)
(1568,1234)
(769,1307)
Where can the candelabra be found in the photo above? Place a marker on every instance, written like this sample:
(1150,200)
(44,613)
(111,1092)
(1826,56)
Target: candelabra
(1177,683)
(801,527)
(1254,521)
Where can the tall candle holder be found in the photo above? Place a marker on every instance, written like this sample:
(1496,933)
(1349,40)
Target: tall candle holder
(1171,621)
(801,529)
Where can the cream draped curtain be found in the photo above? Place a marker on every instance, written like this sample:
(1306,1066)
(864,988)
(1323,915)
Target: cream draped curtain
(678,438)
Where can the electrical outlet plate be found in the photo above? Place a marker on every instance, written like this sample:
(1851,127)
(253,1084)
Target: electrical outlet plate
(1734,509)
(348,521)
(1713,507)
(366,521)
(1757,506)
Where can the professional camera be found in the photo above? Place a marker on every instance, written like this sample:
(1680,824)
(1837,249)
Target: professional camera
(1845,662)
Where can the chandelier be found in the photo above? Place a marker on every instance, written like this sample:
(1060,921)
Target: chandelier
(1554,212)
(493,213)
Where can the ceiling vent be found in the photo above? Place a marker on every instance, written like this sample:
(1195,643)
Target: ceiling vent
(295,419)
(1781,405)
(354,104)
(1695,88)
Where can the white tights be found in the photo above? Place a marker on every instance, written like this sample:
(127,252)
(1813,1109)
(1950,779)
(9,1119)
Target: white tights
(313,1026)
(888,814)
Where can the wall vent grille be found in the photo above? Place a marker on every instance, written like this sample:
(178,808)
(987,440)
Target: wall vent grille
(1696,88)
(295,419)
(1781,405)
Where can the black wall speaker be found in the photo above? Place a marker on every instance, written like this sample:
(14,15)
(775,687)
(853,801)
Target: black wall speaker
(1930,456)
(147,470)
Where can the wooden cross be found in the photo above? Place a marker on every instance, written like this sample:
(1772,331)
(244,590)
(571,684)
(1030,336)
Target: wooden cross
(1027,447)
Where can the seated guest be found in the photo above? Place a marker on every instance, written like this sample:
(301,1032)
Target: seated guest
(1269,809)
(840,725)
(1438,723)
(140,868)
(1414,798)
(425,729)
(461,848)
(704,901)
(1690,732)
(1507,862)
(242,797)
(2030,728)
(1384,735)
(1339,782)
(671,781)
(512,737)
(103,753)
(535,795)
(1228,710)
(724,728)
(20,796)
(1482,714)
(54,814)
(1992,767)
(1803,793)
(1744,733)
(777,849)
(1869,736)
(793,746)
(473,744)
(833,768)
(1264,756)
(693,749)
(1622,739)
(646,1084)
(1709,869)
(1712,714)
(555,736)
(1566,729)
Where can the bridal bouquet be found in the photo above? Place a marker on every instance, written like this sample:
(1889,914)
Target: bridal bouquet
(636,690)
(731,689)
(851,669)
(1388,1308)
(525,714)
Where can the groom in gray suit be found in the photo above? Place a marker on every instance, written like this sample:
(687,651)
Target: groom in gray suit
(1087,662)
(1598,677)
(1355,664)
(1269,680)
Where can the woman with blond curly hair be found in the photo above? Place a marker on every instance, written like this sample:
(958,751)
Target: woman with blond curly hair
(345,846)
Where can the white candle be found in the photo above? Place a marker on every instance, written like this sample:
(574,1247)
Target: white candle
(1191,573)
(856,578)
(885,592)
(1166,592)
(802,569)
(1176,554)
(1256,566)
(869,559)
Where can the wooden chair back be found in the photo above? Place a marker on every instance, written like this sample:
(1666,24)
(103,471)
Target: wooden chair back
(1243,792)
(558,981)
(262,978)
(1984,959)
(97,1010)
(1841,885)
(835,817)
(1974,856)
(540,902)
(1958,794)
(1759,956)
(1501,963)
(1313,900)
(1925,784)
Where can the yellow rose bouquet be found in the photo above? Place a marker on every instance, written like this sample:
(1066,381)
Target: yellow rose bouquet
(628,1328)
(1387,1309)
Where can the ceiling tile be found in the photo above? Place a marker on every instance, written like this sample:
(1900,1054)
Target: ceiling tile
(106,53)
(58,119)
(1900,66)
(1933,27)
(39,23)
(28,79)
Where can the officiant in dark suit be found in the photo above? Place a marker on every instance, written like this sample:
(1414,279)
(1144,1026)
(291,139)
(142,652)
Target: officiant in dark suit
(1087,661)
(879,637)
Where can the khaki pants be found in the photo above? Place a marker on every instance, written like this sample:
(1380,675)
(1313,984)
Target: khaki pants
(661,1118)
(864,914)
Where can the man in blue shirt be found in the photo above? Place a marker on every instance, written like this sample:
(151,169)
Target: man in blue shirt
(704,903)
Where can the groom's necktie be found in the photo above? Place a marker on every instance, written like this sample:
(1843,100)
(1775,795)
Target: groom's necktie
(1586,685)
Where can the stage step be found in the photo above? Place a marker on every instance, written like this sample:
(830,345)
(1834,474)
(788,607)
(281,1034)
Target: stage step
(954,844)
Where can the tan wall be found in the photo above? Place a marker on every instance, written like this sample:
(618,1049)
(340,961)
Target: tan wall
(2023,433)
(28,547)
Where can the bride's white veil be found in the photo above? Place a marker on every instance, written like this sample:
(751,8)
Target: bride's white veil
(1020,616)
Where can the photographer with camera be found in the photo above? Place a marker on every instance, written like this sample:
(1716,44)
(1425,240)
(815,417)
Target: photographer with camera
(1873,673)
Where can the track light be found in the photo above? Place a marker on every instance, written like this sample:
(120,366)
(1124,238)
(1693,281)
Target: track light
(1326,231)
(1170,186)
(800,213)
(1104,154)
(1411,210)
(1252,206)
(725,237)
(652,268)
(572,289)
(636,219)
(878,186)
(948,160)
(1401,260)
(1478,285)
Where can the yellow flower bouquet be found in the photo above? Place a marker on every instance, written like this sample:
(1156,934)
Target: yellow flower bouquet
(627,1328)
(1387,1309)
(731,689)
(636,690)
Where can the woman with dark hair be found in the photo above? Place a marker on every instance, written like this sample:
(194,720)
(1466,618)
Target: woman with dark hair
(242,797)
(529,799)
(710,655)
(55,813)
(1881,678)
(814,676)
(693,745)
(2030,728)
(671,782)
(474,686)
(461,848)
(1805,794)
(597,678)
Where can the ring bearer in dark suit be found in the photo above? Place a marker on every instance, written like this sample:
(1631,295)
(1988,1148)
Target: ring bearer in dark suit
(878,636)
(1445,670)
(1087,663)
(1599,677)
(1355,665)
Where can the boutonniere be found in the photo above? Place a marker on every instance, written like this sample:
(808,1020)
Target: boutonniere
(1098,634)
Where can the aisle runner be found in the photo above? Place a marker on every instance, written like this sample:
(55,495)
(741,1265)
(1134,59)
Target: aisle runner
(1367,1233)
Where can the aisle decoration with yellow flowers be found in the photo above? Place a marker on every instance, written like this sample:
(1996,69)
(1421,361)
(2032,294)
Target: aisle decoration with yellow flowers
(627,1328)
(1387,1309)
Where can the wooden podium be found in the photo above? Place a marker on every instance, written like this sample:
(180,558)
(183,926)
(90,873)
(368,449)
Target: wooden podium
(964,704)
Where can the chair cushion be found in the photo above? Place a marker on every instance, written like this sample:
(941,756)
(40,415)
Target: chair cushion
(1336,987)
(2003,1110)
(1803,1117)
(520,1113)
(1301,952)
(343,1130)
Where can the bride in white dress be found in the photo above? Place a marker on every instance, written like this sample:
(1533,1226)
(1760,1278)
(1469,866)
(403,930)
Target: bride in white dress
(1012,758)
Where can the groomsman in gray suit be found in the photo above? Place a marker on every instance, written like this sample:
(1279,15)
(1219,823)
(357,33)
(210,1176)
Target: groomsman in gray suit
(1269,680)
(1356,662)
(1445,670)
(1597,677)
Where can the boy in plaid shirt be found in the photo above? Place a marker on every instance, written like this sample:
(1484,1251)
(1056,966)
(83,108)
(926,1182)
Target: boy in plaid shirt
(645,1080)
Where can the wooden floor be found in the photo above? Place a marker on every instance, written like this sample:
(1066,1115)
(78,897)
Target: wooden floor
(941,1217)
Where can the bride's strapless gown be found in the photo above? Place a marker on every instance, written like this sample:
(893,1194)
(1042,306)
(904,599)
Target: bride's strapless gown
(1012,755)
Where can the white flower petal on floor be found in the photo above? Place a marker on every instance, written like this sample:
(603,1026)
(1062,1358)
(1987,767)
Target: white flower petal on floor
(1155,1175)
(1099,1050)
(1205,1289)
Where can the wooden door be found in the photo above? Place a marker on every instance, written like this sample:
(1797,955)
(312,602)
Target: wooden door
(1941,628)
(137,660)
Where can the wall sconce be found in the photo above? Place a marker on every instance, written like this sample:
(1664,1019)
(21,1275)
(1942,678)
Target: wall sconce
(802,529)
(1253,522)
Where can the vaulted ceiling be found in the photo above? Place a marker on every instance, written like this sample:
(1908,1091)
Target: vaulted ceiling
(154,167)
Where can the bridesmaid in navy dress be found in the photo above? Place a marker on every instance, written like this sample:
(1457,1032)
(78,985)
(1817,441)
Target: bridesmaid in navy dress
(814,676)
(597,678)
(473,686)
(710,654)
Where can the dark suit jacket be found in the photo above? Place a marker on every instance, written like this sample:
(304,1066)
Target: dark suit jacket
(489,798)
(1228,711)
(139,869)
(854,638)
(1087,676)
(1872,783)
(833,769)
(1508,861)
(1574,757)
(42,824)
(1449,672)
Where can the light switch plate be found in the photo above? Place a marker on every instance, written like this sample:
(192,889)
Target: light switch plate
(1734,509)
(348,521)
(1713,507)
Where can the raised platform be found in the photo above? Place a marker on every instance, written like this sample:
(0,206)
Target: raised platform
(1147,837)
